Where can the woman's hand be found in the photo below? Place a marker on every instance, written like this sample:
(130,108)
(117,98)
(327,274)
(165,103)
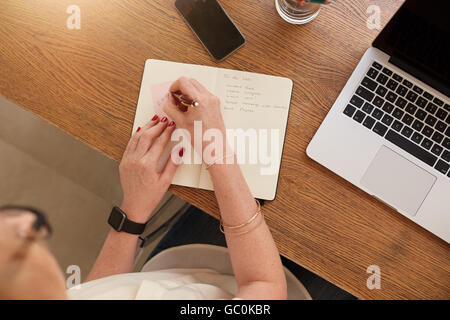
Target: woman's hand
(208,111)
(143,186)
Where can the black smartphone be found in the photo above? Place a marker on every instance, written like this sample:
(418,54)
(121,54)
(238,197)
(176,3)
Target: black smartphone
(212,25)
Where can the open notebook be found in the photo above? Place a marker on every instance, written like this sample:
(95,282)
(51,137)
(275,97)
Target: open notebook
(256,103)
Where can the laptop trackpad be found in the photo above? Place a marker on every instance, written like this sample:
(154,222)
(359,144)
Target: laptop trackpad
(397,181)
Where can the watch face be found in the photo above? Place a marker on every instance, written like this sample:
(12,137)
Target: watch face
(116,219)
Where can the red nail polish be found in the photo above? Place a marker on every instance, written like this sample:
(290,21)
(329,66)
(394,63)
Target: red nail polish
(172,123)
(164,119)
(138,129)
(181,152)
(155,117)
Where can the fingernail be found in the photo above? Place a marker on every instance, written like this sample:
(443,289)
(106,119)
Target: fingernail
(138,129)
(164,119)
(155,117)
(181,152)
(172,123)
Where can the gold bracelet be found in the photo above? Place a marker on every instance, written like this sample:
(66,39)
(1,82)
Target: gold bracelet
(217,160)
(258,211)
(244,232)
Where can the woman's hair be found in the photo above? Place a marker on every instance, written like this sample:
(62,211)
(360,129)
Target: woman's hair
(11,207)
(40,216)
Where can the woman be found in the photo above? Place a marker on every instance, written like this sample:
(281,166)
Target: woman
(255,260)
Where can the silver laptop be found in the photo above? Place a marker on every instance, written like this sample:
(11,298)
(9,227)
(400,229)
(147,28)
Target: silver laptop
(389,130)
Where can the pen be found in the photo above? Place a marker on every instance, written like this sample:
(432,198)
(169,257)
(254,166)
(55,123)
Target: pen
(184,100)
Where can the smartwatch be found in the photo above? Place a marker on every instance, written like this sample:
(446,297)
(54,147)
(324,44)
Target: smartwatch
(118,221)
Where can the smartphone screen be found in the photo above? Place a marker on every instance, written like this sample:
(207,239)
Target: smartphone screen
(212,26)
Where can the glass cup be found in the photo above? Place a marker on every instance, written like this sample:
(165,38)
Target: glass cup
(293,12)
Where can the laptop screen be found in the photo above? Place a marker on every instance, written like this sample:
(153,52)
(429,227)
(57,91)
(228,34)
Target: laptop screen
(418,40)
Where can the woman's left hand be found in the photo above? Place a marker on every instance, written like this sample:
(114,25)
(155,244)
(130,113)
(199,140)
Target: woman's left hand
(143,186)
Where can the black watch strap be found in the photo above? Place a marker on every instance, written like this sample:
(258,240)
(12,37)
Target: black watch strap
(118,221)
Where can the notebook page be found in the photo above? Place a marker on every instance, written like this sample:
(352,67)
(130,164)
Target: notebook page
(156,81)
(258,104)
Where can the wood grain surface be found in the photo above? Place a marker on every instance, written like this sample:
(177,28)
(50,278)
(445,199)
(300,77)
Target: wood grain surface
(87,82)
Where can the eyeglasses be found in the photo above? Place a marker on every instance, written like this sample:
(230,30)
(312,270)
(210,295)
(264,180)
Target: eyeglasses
(29,223)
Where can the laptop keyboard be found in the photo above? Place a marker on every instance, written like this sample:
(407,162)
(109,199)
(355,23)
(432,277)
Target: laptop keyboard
(404,114)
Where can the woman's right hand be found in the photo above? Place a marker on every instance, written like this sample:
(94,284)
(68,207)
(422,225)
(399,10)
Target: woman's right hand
(208,110)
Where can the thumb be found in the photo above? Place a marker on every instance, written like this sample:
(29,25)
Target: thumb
(176,158)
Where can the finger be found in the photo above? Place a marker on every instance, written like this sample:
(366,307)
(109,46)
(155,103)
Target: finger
(132,142)
(173,110)
(185,86)
(131,147)
(153,122)
(175,159)
(148,136)
(159,144)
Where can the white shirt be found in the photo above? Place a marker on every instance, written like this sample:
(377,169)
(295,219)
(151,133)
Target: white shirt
(171,284)
(190,272)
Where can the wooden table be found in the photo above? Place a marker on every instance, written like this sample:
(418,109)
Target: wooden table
(87,82)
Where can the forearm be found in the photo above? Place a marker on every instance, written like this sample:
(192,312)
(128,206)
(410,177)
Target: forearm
(254,255)
(143,188)
(116,256)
